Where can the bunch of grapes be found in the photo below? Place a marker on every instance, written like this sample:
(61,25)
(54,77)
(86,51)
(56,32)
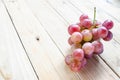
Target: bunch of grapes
(85,37)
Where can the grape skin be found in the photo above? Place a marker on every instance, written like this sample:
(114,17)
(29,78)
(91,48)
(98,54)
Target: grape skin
(87,35)
(83,16)
(98,47)
(78,54)
(108,24)
(109,36)
(87,23)
(88,49)
(76,37)
(73,28)
(102,32)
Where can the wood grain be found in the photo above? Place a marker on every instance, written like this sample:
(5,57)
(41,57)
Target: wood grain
(42,28)
(46,58)
(14,64)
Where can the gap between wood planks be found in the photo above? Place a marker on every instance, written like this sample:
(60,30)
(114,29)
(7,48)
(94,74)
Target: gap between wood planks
(20,40)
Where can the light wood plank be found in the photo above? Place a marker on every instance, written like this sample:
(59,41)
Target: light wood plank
(59,23)
(46,58)
(14,64)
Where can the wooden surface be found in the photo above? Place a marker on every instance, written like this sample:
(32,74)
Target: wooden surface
(33,40)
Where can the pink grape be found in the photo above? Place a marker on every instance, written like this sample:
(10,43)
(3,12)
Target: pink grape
(69,41)
(109,36)
(87,23)
(73,28)
(98,47)
(87,35)
(84,62)
(83,16)
(108,24)
(75,66)
(73,63)
(76,37)
(68,59)
(78,54)
(88,49)
(102,32)
(95,34)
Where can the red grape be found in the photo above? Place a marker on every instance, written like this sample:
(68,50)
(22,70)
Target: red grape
(76,37)
(78,54)
(87,23)
(75,66)
(73,28)
(83,16)
(88,49)
(102,32)
(95,34)
(108,24)
(109,36)
(98,47)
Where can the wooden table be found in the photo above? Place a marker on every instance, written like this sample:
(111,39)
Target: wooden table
(33,40)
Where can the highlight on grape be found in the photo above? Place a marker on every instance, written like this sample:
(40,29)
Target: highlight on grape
(86,37)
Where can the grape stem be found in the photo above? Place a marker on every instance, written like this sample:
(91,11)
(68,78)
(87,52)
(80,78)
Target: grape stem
(94,16)
(94,19)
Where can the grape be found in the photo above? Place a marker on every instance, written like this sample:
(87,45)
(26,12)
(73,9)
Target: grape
(68,59)
(69,41)
(78,54)
(95,34)
(84,62)
(85,40)
(87,23)
(76,37)
(83,16)
(109,36)
(88,49)
(102,32)
(108,24)
(98,47)
(75,66)
(73,28)
(87,35)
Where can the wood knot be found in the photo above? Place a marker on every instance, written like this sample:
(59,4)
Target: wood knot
(37,38)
